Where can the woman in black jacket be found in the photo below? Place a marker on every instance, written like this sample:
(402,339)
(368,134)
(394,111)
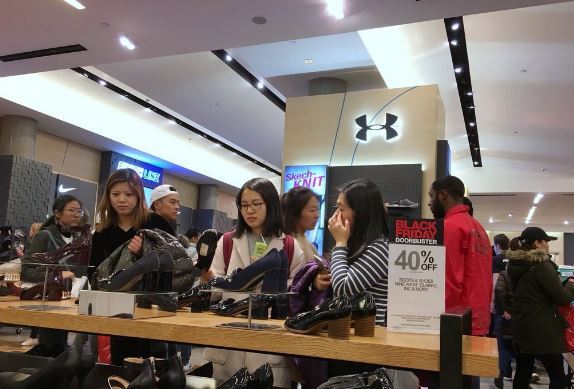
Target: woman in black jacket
(537,326)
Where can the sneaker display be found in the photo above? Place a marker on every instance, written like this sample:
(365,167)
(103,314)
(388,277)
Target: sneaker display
(29,342)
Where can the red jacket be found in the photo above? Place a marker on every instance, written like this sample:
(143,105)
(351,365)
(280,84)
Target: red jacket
(468,267)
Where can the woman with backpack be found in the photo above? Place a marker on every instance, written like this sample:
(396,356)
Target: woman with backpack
(259,230)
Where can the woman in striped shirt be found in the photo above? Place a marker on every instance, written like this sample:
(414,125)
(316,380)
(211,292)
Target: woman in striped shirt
(360,257)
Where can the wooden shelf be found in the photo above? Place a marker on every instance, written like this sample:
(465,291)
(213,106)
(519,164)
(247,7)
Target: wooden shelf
(416,351)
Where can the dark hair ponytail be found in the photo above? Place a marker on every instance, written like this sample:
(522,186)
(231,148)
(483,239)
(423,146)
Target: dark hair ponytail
(59,204)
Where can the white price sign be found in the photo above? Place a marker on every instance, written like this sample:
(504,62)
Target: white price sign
(416,287)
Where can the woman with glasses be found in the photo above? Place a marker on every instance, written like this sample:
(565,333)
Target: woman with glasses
(259,229)
(66,212)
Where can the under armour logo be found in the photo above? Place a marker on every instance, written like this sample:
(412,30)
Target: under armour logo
(362,122)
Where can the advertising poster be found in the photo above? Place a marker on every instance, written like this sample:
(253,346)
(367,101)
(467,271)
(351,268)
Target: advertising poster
(416,275)
(313,177)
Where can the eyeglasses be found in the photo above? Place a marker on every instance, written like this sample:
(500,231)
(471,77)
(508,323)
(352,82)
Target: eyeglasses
(254,206)
(79,211)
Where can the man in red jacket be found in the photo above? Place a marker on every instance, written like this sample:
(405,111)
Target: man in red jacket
(468,254)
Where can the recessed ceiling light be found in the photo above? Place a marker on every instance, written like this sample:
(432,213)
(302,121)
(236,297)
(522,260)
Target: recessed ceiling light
(309,61)
(455,26)
(172,122)
(336,8)
(228,58)
(76,4)
(471,107)
(566,222)
(491,220)
(102,82)
(126,42)
(542,170)
(260,85)
(259,20)
(509,214)
(469,93)
(538,197)
(475,163)
(458,69)
(472,124)
(454,42)
(527,222)
(147,109)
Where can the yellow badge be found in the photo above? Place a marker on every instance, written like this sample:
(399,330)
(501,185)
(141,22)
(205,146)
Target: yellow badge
(260,250)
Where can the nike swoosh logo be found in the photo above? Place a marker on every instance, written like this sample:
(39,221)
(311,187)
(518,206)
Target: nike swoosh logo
(61,189)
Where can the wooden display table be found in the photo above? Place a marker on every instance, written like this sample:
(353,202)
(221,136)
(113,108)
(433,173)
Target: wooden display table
(416,351)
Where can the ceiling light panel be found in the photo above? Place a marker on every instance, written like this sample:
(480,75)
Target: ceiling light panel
(76,4)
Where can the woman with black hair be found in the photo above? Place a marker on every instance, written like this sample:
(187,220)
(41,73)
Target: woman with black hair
(66,212)
(259,230)
(301,208)
(359,260)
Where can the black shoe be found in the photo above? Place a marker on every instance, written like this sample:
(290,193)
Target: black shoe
(206,246)
(145,379)
(499,382)
(172,376)
(144,269)
(194,297)
(271,269)
(230,307)
(262,378)
(239,380)
(335,313)
(165,273)
(363,314)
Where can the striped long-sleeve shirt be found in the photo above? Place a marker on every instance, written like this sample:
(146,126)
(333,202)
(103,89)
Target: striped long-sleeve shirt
(366,273)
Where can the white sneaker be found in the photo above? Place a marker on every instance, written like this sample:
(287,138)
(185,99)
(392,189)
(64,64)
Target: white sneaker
(187,368)
(535,378)
(29,342)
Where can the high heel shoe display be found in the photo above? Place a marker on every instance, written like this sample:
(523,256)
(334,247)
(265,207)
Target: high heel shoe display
(271,269)
(145,379)
(76,253)
(335,313)
(363,314)
(144,269)
(165,273)
(172,375)
(206,246)
(239,380)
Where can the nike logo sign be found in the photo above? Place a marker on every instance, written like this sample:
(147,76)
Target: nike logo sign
(61,189)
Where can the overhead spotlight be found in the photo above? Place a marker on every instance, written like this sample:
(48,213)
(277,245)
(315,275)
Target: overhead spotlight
(566,222)
(228,58)
(538,197)
(490,220)
(172,122)
(471,107)
(472,124)
(454,42)
(455,26)
(510,214)
(458,69)
(102,83)
(469,93)
(147,109)
(336,8)
(475,163)
(309,61)
(76,4)
(259,85)
(126,42)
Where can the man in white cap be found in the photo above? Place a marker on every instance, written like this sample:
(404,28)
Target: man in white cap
(165,202)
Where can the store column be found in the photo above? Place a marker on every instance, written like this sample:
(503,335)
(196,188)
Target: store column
(24,183)
(208,216)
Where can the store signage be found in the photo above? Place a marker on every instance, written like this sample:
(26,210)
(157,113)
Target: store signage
(151,175)
(313,177)
(416,275)
(364,127)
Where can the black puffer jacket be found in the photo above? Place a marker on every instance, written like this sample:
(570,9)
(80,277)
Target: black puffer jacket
(537,327)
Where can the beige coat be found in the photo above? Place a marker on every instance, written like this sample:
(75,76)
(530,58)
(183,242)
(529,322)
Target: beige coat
(227,362)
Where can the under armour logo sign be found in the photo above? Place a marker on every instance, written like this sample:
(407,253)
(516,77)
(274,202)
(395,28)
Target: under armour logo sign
(362,122)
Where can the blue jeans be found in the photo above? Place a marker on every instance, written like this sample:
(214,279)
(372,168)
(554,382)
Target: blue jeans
(505,350)
(185,350)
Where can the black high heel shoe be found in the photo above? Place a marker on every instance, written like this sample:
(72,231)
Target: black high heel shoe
(145,379)
(262,378)
(335,313)
(124,280)
(239,380)
(194,297)
(206,246)
(230,307)
(172,376)
(165,273)
(270,269)
(363,314)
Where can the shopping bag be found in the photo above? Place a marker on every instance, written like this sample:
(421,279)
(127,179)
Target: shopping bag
(567,313)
